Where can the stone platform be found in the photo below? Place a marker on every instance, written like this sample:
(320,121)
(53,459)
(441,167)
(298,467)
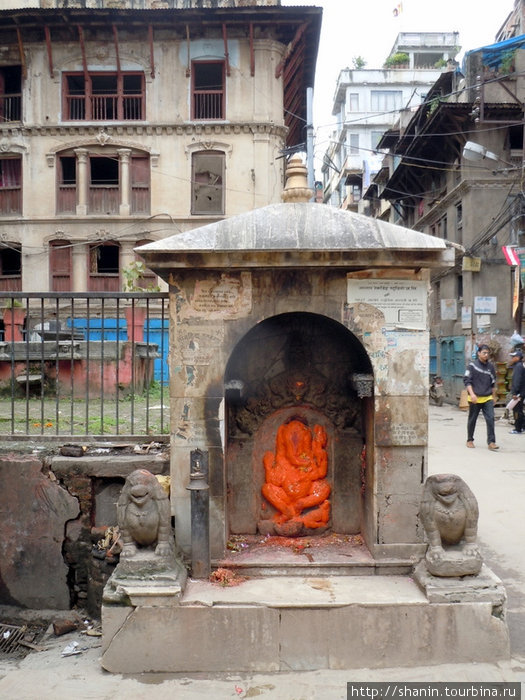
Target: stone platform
(302,623)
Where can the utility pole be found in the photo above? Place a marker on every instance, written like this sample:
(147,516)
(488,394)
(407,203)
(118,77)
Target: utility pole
(310,140)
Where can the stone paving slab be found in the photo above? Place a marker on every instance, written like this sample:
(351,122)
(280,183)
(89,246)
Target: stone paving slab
(48,676)
(296,591)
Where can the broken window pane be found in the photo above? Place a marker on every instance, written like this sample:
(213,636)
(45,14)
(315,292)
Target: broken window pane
(207,183)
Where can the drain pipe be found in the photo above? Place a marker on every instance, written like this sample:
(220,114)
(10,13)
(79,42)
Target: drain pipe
(200,514)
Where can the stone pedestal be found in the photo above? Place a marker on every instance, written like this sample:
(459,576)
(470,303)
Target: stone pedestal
(486,587)
(146,581)
(294,623)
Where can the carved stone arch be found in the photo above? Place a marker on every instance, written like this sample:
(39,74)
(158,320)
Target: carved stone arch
(92,143)
(9,146)
(295,366)
(210,145)
(58,235)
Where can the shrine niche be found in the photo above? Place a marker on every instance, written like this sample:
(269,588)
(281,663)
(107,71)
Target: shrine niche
(295,437)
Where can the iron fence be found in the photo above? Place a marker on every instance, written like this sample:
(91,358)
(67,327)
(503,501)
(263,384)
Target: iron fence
(84,364)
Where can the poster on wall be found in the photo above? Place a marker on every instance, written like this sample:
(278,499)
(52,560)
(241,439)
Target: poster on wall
(403,303)
(466,317)
(483,323)
(485,305)
(449,309)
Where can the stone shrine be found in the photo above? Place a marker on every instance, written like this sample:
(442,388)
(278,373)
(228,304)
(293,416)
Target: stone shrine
(299,364)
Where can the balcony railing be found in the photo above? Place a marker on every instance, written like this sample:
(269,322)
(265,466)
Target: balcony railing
(10,108)
(208,105)
(105,107)
(84,364)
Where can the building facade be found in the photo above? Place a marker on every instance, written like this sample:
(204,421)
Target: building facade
(125,122)
(368,102)
(432,185)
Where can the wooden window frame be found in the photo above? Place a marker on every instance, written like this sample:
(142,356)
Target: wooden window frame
(11,186)
(102,281)
(208,104)
(10,282)
(109,107)
(61,278)
(198,187)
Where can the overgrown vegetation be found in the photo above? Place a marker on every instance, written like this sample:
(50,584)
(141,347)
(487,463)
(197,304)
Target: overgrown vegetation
(358,62)
(397,59)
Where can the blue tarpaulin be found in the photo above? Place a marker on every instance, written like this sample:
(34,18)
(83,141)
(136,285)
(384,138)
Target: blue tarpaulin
(493,54)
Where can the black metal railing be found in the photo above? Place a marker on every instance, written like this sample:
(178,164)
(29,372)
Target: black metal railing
(84,364)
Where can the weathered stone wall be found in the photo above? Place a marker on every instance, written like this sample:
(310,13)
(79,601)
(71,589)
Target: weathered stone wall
(52,511)
(34,511)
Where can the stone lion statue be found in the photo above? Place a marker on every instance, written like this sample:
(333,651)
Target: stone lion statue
(143,514)
(449,512)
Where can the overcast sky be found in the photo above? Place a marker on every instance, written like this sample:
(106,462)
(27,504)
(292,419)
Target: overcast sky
(368,28)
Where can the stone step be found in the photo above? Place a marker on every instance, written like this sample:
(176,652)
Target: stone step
(292,624)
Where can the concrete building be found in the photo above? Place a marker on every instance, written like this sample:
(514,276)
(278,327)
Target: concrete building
(514,24)
(127,121)
(432,185)
(367,102)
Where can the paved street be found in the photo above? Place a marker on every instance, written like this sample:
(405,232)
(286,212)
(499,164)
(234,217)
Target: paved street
(498,481)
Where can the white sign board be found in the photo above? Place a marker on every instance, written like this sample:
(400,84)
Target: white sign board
(466,317)
(449,309)
(485,305)
(403,303)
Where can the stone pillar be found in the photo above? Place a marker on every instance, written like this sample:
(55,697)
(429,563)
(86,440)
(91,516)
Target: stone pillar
(124,155)
(127,256)
(82,181)
(80,260)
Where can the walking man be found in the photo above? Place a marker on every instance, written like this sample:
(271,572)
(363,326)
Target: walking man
(480,383)
(518,390)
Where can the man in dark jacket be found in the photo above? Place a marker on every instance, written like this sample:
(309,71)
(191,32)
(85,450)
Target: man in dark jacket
(518,389)
(480,383)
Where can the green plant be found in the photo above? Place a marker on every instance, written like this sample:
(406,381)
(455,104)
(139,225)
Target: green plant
(99,426)
(358,62)
(433,105)
(133,274)
(440,63)
(506,65)
(397,59)
(13,304)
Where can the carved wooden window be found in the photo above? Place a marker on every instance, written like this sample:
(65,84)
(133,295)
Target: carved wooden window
(66,185)
(207,183)
(104,189)
(140,185)
(11,185)
(10,94)
(60,267)
(10,267)
(104,267)
(104,184)
(104,96)
(208,90)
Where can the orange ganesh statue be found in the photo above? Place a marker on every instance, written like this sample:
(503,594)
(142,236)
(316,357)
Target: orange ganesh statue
(295,478)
